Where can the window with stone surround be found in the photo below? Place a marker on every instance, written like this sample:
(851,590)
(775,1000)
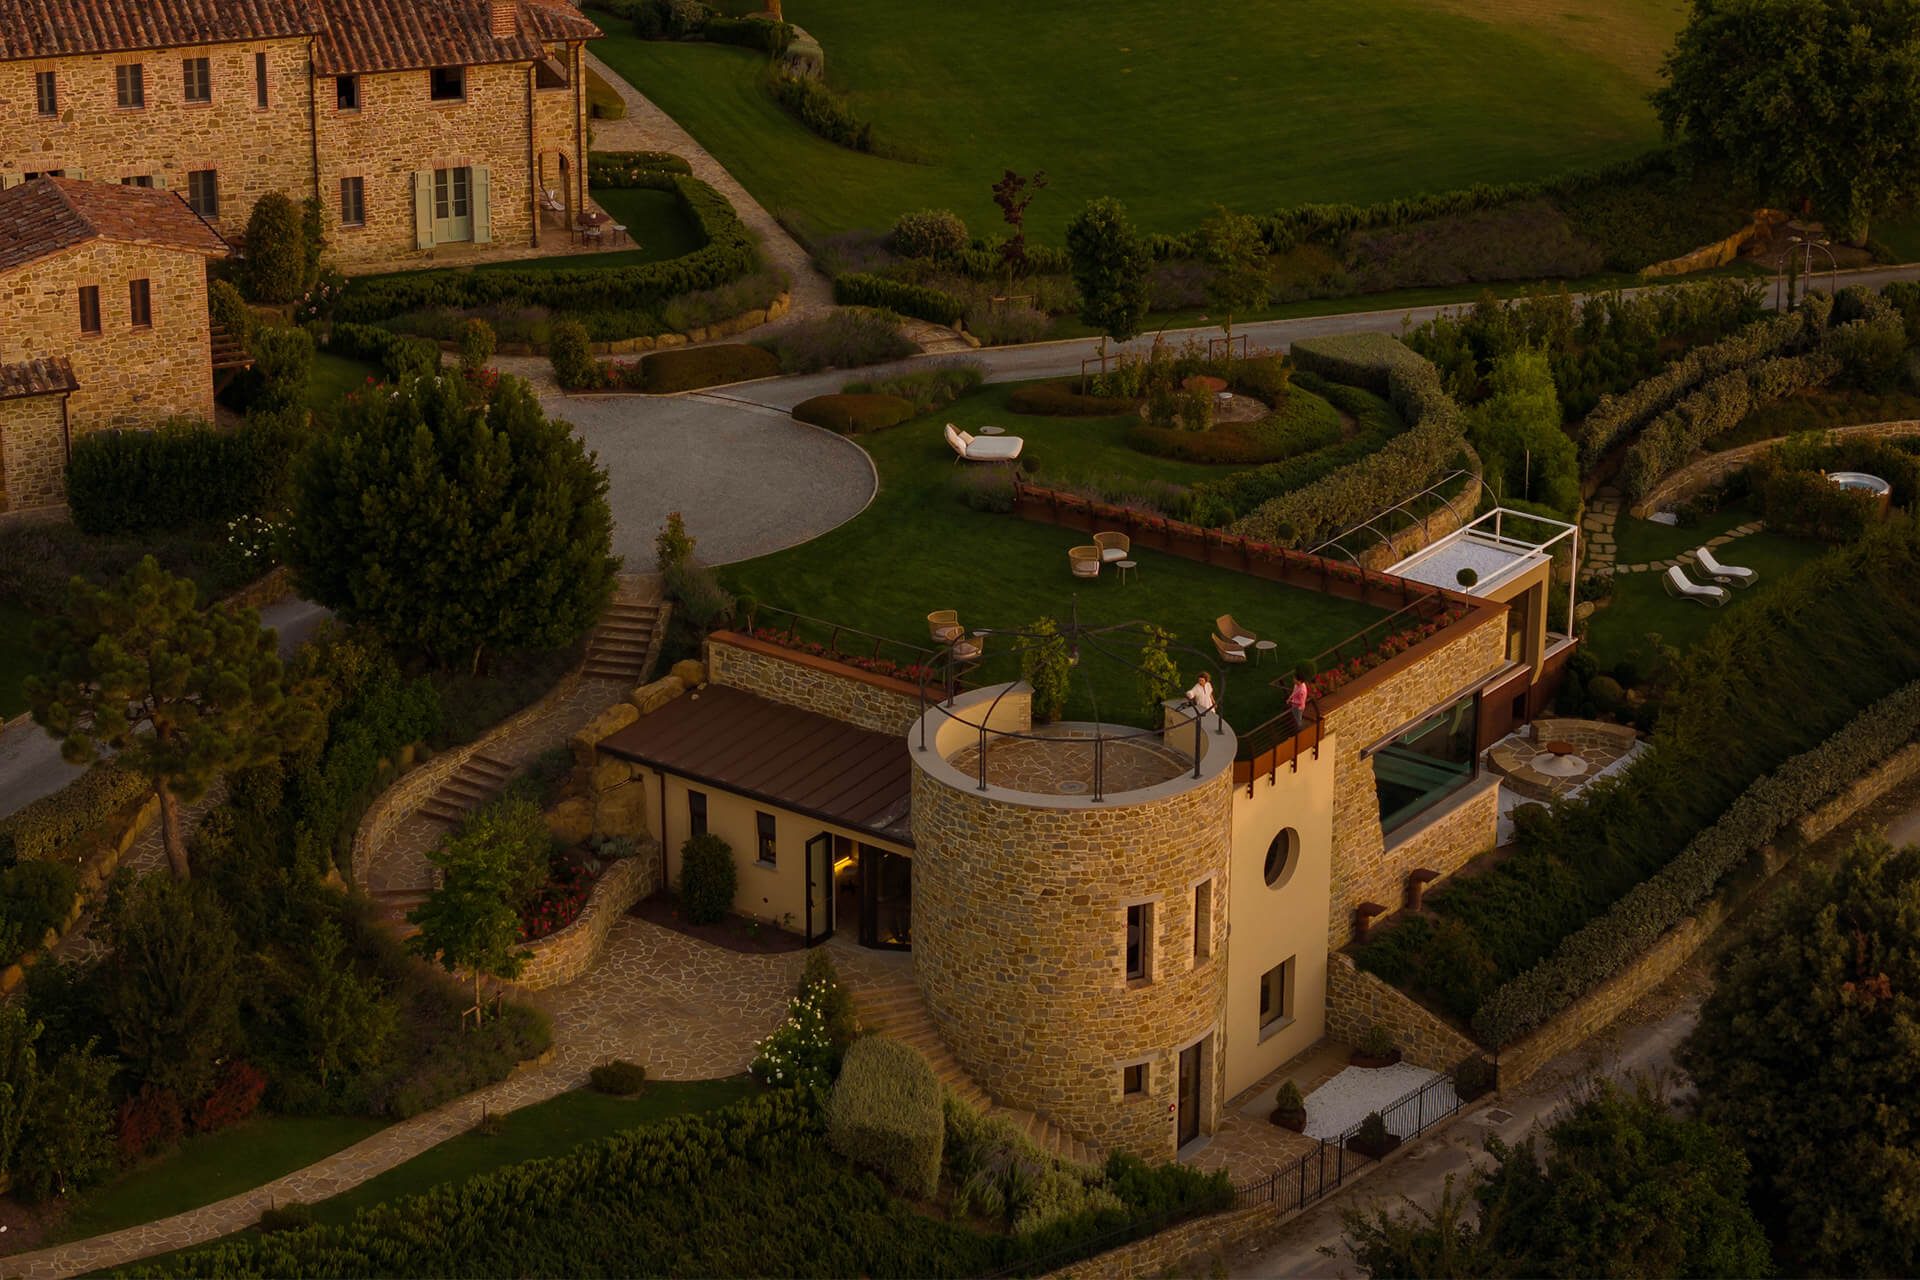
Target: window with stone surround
(346,93)
(447,84)
(766,846)
(696,813)
(353,202)
(203,192)
(46,94)
(130,85)
(137,180)
(1140,942)
(260,81)
(1203,921)
(1133,1080)
(196,80)
(140,303)
(1276,996)
(90,308)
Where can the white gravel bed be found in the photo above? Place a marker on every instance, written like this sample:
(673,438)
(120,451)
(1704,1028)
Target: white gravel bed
(1345,1100)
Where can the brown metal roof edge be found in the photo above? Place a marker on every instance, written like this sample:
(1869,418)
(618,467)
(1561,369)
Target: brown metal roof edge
(688,775)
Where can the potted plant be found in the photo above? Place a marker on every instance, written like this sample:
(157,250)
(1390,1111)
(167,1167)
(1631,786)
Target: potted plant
(1474,1078)
(1371,1139)
(1376,1049)
(1289,1108)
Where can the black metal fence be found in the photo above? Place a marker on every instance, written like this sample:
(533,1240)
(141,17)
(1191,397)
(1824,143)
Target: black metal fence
(1295,1185)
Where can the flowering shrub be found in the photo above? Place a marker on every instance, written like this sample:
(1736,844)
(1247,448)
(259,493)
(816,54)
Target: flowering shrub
(315,306)
(151,1120)
(1397,643)
(911,672)
(557,903)
(800,1053)
(253,542)
(233,1099)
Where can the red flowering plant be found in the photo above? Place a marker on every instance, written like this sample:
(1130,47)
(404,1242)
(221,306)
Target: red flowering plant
(910,672)
(557,903)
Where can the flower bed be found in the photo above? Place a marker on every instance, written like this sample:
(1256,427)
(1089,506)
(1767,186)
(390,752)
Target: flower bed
(1390,646)
(909,673)
(557,903)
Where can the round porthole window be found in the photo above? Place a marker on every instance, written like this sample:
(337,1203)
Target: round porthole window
(1283,855)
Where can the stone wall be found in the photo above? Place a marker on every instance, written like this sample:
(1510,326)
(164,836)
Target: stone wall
(562,956)
(96,864)
(1357,1001)
(1020,933)
(33,452)
(1364,869)
(253,151)
(1452,515)
(1464,829)
(815,684)
(1720,252)
(128,377)
(1709,471)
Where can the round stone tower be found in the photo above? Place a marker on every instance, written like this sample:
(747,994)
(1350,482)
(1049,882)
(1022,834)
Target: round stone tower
(1069,921)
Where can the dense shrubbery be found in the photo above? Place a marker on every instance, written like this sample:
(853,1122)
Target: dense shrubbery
(858,289)
(845,339)
(1796,497)
(1575,861)
(34,897)
(53,824)
(1300,423)
(625,168)
(853,414)
(182,473)
(928,233)
(620,1078)
(1062,398)
(886,1114)
(689,369)
(820,109)
(727,253)
(926,389)
(283,253)
(399,357)
(707,878)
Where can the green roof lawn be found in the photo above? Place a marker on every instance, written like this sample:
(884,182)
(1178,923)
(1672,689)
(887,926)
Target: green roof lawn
(919,547)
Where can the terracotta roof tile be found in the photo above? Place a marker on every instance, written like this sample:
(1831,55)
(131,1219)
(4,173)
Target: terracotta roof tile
(50,214)
(36,377)
(55,28)
(352,35)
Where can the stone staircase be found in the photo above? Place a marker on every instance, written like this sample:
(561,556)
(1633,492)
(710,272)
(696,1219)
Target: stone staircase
(936,339)
(900,1013)
(474,783)
(618,649)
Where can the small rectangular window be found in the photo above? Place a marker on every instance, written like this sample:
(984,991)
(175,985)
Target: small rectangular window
(1139,941)
(764,846)
(1202,920)
(137,180)
(196,78)
(89,308)
(447,84)
(46,94)
(260,80)
(140,303)
(1276,994)
(1133,1080)
(353,203)
(203,192)
(346,93)
(696,813)
(130,85)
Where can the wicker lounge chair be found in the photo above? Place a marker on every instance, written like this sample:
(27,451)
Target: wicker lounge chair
(1234,632)
(1085,561)
(1113,546)
(1227,649)
(943,625)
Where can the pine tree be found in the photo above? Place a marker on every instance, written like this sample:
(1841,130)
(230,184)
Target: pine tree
(177,693)
(454,529)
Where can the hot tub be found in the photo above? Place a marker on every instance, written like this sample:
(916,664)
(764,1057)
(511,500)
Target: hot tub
(1863,482)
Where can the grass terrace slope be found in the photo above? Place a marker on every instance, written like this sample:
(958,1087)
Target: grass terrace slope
(1171,105)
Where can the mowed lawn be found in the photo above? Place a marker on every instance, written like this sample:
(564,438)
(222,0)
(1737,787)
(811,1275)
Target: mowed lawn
(1172,105)
(920,547)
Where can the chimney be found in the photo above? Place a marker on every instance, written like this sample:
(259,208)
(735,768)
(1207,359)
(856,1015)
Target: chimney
(503,18)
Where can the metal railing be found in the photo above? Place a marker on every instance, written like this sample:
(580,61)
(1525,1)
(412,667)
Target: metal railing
(863,649)
(1322,1170)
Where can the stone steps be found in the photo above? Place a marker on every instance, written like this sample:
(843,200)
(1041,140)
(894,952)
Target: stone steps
(618,649)
(900,1013)
(474,783)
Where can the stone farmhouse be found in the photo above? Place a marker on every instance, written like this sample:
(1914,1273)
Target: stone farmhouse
(103,322)
(1117,937)
(423,127)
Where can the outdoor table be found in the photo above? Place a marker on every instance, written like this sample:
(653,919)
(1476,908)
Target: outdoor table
(1261,648)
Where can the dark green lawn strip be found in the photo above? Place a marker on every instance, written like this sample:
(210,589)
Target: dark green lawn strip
(919,548)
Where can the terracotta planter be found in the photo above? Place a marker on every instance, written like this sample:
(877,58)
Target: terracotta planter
(1373,1151)
(1363,1060)
(1295,1120)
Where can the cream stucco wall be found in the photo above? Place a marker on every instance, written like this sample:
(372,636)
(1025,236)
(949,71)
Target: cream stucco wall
(1269,924)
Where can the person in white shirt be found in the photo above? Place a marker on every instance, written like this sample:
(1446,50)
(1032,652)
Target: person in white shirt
(1201,695)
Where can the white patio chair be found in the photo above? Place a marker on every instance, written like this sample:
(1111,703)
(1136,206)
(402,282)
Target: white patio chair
(1678,584)
(1731,575)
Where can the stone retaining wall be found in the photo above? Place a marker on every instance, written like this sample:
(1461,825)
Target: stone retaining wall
(1597,1009)
(97,866)
(1709,471)
(1357,1001)
(561,957)
(1720,252)
(801,680)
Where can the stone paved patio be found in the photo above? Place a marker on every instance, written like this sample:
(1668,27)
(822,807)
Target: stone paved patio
(1247,1144)
(1534,771)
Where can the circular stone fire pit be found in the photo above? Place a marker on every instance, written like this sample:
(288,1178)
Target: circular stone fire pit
(1557,760)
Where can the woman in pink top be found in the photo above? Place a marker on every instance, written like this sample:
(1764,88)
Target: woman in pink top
(1297,702)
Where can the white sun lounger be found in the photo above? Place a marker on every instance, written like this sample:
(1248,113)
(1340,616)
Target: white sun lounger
(1679,584)
(984,448)
(1731,575)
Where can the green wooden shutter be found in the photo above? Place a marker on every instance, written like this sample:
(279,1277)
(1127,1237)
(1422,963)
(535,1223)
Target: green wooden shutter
(74,173)
(160,181)
(482,206)
(10,180)
(423,208)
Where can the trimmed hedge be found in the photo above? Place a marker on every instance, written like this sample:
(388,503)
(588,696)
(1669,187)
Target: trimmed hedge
(1357,359)
(1613,940)
(47,826)
(1218,501)
(399,356)
(1301,423)
(886,1113)
(708,878)
(859,289)
(629,168)
(728,253)
(1433,441)
(691,368)
(818,107)
(1058,399)
(181,473)
(854,414)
